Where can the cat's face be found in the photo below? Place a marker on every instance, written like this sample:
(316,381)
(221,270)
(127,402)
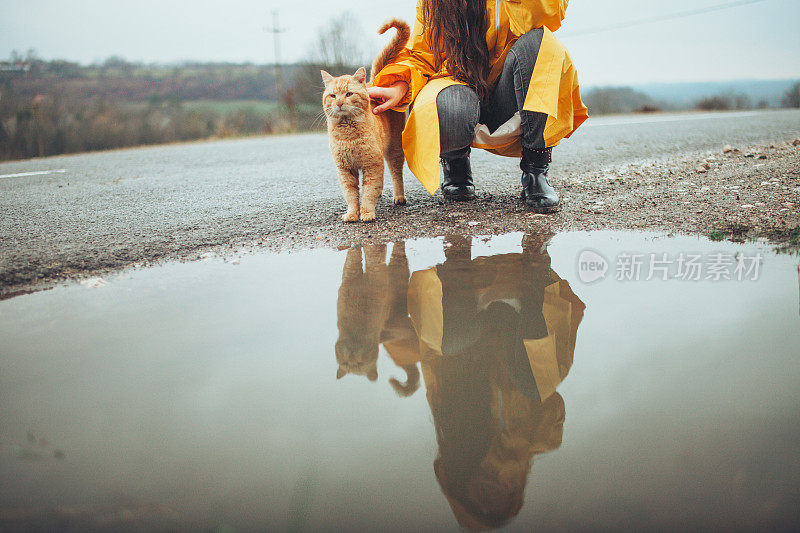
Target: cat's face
(345,96)
(357,356)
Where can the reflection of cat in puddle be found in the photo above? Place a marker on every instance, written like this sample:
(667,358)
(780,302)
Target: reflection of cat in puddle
(371,311)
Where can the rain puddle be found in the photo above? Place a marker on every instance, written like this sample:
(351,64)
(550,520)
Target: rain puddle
(585,382)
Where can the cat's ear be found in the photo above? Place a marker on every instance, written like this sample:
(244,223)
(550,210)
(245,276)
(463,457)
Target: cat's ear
(361,75)
(326,77)
(340,373)
(372,375)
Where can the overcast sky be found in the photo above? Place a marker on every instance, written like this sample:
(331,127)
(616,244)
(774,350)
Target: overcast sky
(760,40)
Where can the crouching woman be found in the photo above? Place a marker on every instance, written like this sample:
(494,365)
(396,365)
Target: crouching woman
(490,75)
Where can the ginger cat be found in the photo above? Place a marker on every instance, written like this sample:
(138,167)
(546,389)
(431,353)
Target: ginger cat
(360,140)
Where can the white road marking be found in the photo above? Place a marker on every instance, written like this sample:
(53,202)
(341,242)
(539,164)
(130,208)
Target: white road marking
(37,173)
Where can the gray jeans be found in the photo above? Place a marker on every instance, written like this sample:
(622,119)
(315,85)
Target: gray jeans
(460,110)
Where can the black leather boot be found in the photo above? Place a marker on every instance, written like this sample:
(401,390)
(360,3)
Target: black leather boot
(457,176)
(536,189)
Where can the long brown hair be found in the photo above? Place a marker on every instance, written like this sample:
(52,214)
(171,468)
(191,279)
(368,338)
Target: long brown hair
(457,30)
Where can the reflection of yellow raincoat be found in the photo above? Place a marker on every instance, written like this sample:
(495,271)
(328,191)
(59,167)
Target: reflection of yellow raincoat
(521,426)
(550,357)
(553,88)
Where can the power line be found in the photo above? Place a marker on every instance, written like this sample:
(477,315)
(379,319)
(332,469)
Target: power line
(661,18)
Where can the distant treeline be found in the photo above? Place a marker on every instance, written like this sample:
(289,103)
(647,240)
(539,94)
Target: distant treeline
(606,100)
(55,107)
(49,108)
(118,80)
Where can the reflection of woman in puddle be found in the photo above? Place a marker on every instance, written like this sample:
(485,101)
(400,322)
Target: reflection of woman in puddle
(497,336)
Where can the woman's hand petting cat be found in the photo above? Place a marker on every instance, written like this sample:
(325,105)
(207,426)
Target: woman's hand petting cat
(389,97)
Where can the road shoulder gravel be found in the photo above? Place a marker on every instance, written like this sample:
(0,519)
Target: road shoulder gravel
(735,193)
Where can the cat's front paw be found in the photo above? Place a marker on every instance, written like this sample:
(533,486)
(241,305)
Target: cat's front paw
(367,216)
(350,216)
(399,200)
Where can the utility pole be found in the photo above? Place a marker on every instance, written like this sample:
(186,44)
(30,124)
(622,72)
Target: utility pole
(276,30)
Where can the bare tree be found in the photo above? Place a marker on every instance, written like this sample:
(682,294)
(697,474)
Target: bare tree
(338,48)
(340,43)
(792,96)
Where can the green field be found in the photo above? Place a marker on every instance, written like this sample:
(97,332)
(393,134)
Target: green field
(231,106)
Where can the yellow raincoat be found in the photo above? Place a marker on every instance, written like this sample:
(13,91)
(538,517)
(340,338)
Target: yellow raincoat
(553,88)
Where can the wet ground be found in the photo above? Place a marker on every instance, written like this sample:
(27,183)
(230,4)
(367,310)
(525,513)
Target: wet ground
(519,381)
(64,217)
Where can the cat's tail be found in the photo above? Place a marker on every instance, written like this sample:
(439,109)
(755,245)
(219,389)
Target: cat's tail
(404,390)
(394,48)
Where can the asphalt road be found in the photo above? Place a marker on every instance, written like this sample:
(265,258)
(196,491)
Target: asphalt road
(69,214)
